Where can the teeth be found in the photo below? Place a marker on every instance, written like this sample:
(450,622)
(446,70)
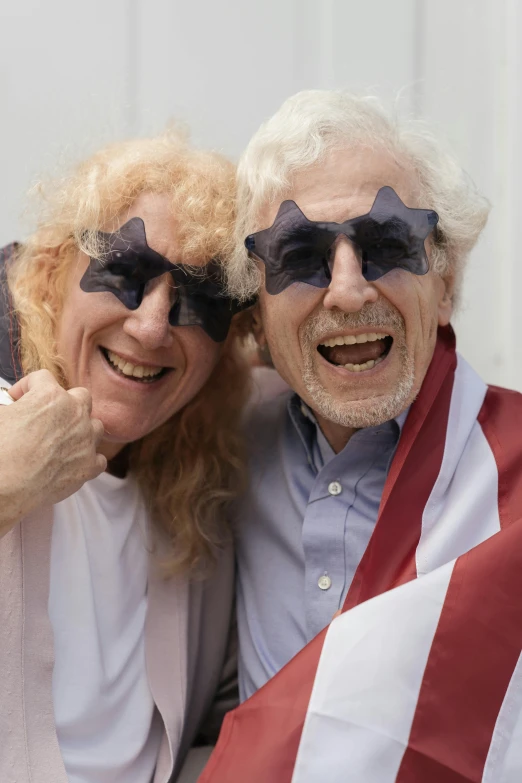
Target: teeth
(132,370)
(366,366)
(351,339)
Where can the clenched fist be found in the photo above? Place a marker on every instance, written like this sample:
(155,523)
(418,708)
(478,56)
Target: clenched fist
(48,446)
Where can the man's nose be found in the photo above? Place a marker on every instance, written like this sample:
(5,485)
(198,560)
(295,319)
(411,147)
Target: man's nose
(149,324)
(348,290)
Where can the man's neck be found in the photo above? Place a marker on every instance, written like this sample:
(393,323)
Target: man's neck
(336,435)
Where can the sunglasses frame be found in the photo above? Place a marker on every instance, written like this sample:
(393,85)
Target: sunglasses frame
(201,300)
(387,220)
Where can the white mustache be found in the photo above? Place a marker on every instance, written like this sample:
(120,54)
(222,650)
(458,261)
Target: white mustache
(378,315)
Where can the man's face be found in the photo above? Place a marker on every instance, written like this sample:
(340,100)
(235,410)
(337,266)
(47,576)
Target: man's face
(139,369)
(393,320)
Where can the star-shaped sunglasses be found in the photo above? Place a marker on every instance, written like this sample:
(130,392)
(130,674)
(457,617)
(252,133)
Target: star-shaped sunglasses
(127,264)
(390,236)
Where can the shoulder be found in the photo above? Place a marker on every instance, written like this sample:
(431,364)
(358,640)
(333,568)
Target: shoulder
(264,421)
(501,422)
(502,408)
(506,396)
(500,419)
(8,251)
(269,396)
(267,385)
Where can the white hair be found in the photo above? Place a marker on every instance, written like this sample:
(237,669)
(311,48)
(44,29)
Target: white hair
(311,124)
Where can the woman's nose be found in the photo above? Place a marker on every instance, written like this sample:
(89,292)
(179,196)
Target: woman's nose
(149,324)
(348,290)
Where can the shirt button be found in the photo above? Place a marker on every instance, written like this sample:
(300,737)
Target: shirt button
(324,582)
(334,488)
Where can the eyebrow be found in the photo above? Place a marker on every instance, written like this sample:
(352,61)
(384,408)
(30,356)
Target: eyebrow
(302,231)
(393,225)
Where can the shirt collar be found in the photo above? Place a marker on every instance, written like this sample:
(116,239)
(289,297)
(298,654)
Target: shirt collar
(318,450)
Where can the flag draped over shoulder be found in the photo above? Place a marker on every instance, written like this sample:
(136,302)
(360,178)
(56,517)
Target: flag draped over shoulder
(420,679)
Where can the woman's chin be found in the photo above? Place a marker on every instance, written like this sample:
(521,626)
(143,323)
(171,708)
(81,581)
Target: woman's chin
(120,432)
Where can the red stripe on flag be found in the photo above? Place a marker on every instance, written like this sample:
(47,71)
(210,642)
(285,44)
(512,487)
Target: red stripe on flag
(389,559)
(501,422)
(479,636)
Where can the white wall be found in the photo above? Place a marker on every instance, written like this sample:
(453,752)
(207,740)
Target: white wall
(74,75)
(470,76)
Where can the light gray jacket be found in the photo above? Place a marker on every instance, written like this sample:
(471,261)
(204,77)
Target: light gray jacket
(186,635)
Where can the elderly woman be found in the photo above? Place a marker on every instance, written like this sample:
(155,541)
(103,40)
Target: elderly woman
(117,456)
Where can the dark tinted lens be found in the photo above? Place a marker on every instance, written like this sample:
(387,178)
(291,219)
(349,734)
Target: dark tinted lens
(201,301)
(126,264)
(293,249)
(116,279)
(304,260)
(386,246)
(392,236)
(121,265)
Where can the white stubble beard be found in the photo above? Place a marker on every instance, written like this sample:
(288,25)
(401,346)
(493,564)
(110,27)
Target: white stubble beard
(370,412)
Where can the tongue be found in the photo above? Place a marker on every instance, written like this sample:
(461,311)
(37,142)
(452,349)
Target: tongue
(359,353)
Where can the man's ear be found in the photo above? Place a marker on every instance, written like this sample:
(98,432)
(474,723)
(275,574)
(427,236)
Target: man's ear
(263,357)
(446,299)
(257,327)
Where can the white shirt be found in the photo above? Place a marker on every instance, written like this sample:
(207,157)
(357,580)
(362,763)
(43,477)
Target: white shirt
(106,724)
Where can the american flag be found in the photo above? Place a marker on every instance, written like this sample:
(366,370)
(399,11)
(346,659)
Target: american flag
(420,679)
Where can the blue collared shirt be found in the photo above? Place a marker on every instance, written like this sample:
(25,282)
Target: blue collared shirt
(302,528)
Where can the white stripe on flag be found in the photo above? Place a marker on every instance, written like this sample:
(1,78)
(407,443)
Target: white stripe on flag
(504,761)
(462,510)
(367,685)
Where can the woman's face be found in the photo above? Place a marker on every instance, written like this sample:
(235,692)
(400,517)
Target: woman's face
(138,368)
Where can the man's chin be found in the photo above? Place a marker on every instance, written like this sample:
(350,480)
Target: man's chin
(363,408)
(354,415)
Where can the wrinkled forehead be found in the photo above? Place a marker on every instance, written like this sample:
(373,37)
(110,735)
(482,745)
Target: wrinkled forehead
(345,184)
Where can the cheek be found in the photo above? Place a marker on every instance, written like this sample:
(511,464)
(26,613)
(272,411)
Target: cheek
(200,365)
(201,355)
(84,313)
(69,324)
(430,295)
(283,314)
(416,299)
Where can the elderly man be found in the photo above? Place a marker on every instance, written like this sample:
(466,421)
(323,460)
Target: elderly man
(387,460)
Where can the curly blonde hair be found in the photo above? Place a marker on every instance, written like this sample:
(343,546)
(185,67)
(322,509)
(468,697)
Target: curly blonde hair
(190,467)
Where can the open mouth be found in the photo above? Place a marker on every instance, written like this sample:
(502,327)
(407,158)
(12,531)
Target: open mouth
(135,372)
(356,353)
